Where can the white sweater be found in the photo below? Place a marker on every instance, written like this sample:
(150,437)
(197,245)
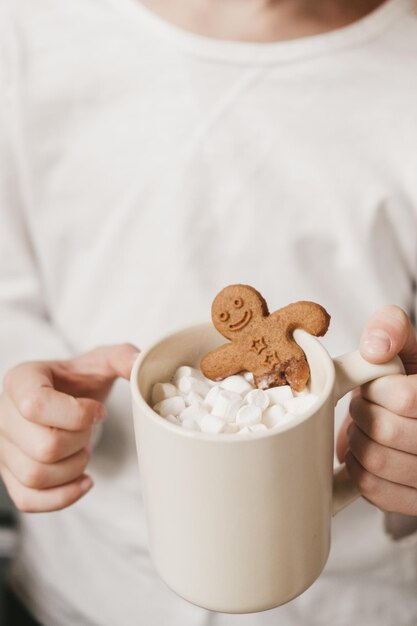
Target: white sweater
(143,168)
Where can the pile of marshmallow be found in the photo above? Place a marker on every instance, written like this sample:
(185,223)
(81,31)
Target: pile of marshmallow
(232,405)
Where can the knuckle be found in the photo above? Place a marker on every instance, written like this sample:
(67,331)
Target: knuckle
(373,461)
(384,430)
(30,406)
(32,475)
(365,482)
(78,413)
(355,406)
(48,449)
(402,316)
(85,458)
(395,316)
(406,398)
(21,502)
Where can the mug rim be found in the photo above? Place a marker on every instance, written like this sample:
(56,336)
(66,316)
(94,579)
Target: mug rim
(147,410)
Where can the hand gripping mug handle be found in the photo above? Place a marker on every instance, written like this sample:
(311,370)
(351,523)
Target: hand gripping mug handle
(353,370)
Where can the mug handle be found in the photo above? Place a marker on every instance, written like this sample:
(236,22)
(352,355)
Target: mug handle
(353,370)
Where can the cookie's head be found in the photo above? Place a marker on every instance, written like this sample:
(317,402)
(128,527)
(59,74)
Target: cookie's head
(237,308)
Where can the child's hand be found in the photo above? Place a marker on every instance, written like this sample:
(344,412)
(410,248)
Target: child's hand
(47,411)
(381,442)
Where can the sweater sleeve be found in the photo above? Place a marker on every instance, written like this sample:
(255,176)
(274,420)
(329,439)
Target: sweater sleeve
(26,333)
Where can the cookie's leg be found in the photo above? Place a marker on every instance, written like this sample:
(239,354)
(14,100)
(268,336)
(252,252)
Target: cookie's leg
(297,373)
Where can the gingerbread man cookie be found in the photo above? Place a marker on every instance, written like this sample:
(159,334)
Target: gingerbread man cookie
(262,343)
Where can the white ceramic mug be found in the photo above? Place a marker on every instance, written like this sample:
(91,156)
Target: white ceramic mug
(241,524)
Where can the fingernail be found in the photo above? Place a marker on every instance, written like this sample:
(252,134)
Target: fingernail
(86,484)
(377,342)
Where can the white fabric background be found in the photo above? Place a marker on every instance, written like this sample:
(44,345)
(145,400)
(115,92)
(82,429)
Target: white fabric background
(142,169)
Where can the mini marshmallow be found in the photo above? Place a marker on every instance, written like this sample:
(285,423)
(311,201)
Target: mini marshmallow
(173,419)
(287,419)
(258,398)
(233,405)
(257,427)
(192,398)
(212,424)
(248,376)
(190,424)
(168,406)
(227,405)
(278,395)
(211,397)
(161,391)
(187,371)
(236,383)
(273,415)
(248,415)
(194,411)
(301,404)
(187,384)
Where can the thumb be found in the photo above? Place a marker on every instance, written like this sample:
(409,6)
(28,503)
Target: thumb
(390,332)
(108,362)
(93,373)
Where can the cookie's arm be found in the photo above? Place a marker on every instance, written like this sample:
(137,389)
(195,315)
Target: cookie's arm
(309,316)
(223,361)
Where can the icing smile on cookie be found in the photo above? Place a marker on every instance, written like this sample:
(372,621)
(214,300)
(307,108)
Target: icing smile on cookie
(242,323)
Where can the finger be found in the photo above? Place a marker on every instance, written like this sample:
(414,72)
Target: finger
(384,494)
(93,373)
(46,444)
(43,500)
(59,410)
(37,475)
(396,393)
(383,426)
(393,465)
(27,378)
(390,332)
(31,390)
(30,386)
(42,443)
(110,361)
(90,375)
